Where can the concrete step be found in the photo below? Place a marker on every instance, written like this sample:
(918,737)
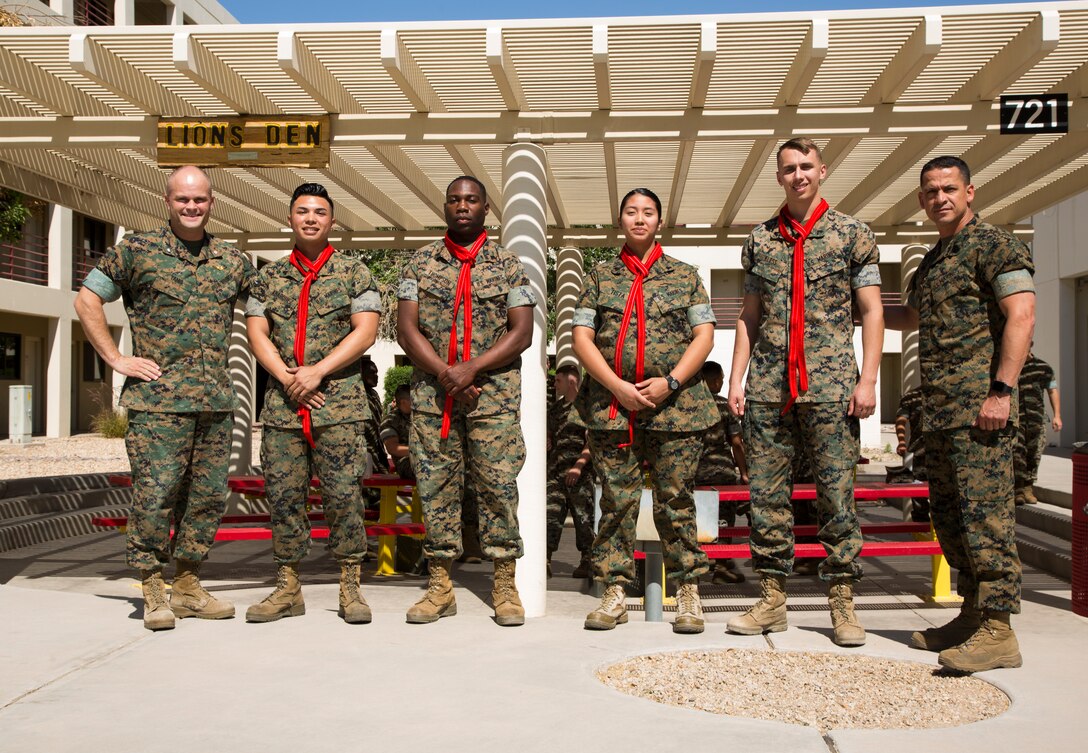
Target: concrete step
(36,529)
(1045,551)
(1057,521)
(62,501)
(27,487)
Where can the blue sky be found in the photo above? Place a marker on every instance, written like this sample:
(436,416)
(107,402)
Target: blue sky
(293,11)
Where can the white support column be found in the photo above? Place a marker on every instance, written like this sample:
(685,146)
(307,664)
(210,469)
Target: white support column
(911,258)
(65,8)
(177,15)
(524,232)
(122,336)
(243,375)
(124,12)
(58,378)
(569,272)
(60,247)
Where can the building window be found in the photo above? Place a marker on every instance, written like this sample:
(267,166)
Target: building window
(91,244)
(93,12)
(11,357)
(94,368)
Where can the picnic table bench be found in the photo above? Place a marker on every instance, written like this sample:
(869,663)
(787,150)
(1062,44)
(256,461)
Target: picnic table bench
(257,526)
(923,543)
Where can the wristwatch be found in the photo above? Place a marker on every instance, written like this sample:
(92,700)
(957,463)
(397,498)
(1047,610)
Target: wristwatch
(671,381)
(997,387)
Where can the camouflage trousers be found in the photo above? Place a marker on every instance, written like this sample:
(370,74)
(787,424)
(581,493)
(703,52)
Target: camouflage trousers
(578,501)
(288,463)
(830,437)
(1030,444)
(487,452)
(971,502)
(673,458)
(179,477)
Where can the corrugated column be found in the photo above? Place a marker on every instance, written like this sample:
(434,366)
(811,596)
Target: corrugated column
(911,258)
(243,375)
(568,285)
(524,232)
(58,345)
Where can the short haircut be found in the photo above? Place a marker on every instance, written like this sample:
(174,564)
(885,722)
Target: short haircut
(368,363)
(570,369)
(940,163)
(477,181)
(802,145)
(641,192)
(712,369)
(403,390)
(311,189)
(178,169)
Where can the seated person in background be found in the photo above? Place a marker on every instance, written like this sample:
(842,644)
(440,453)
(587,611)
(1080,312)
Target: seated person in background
(394,431)
(908,433)
(722,458)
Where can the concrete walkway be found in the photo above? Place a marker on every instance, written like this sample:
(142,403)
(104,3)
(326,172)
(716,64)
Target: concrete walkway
(79,673)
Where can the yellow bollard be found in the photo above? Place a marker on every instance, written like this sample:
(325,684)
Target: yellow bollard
(387,513)
(941,574)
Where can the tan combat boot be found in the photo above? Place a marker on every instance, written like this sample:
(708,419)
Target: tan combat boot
(504,595)
(768,615)
(157,614)
(611,612)
(848,631)
(189,599)
(285,601)
(962,627)
(585,567)
(1026,496)
(993,645)
(689,610)
(438,601)
(353,607)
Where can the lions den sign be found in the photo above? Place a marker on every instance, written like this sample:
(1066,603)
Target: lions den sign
(275,140)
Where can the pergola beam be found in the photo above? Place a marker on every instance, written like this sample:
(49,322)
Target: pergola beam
(890,170)
(407,172)
(704,64)
(1053,157)
(913,57)
(204,68)
(757,157)
(356,184)
(610,173)
(601,67)
(50,92)
(1073,184)
(806,63)
(1034,42)
(297,61)
(127,82)
(286,180)
(503,70)
(407,75)
(470,164)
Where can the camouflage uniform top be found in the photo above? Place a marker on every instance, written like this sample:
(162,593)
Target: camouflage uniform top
(181,309)
(568,439)
(498,283)
(676,302)
(956,291)
(840,256)
(717,466)
(910,408)
(395,425)
(1036,378)
(343,287)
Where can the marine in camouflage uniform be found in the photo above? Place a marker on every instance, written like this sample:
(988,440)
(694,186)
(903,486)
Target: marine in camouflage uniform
(180,306)
(1036,380)
(840,257)
(956,291)
(568,451)
(908,428)
(668,438)
(179,286)
(396,426)
(485,439)
(375,413)
(343,288)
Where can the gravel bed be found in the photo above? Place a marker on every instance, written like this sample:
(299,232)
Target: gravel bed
(822,690)
(83,453)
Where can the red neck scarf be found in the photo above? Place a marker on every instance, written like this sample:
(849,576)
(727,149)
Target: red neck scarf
(462,298)
(309,270)
(636,301)
(795,233)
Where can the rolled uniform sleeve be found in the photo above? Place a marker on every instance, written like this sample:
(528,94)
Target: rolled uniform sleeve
(365,296)
(408,287)
(699,310)
(585,315)
(111,277)
(521,293)
(1016,281)
(864,260)
(1007,265)
(258,295)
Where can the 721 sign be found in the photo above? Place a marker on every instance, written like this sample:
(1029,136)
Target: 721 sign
(1042,113)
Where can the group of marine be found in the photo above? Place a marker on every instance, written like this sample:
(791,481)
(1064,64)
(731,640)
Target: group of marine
(638,408)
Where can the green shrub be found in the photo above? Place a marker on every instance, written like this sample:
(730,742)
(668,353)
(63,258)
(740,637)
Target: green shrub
(395,377)
(110,423)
